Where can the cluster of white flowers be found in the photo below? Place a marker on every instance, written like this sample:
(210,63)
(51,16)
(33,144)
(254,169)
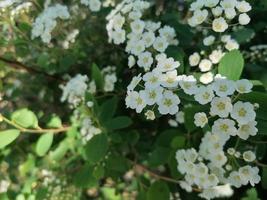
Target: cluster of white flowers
(179,119)
(46,21)
(71,37)
(88,130)
(110,78)
(207,64)
(75,89)
(94,5)
(143,35)
(220,12)
(211,166)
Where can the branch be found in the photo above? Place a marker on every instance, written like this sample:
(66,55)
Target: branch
(39,130)
(20,66)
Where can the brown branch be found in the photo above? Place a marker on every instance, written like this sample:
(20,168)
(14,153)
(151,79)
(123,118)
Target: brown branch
(20,66)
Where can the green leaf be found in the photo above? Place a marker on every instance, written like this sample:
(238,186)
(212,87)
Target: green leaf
(84,177)
(25,118)
(99,172)
(96,148)
(97,76)
(118,123)
(8,136)
(231,65)
(158,191)
(251,195)
(243,35)
(178,142)
(44,143)
(108,108)
(60,151)
(159,156)
(54,122)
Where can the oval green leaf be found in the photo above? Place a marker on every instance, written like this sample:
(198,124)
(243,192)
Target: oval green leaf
(8,136)
(44,143)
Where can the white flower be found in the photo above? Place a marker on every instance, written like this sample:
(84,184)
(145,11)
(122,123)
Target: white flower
(137,47)
(152,79)
(153,95)
(219,25)
(224,128)
(246,130)
(180,117)
(118,21)
(243,6)
(135,100)
(225,38)
(230,13)
(145,60)
(218,159)
(216,56)
(231,45)
(243,86)
(211,3)
(169,79)
(243,112)
(148,38)
(137,26)
(217,11)
(235,179)
(194,59)
(205,65)
(249,174)
(243,19)
(204,95)
(206,78)
(200,119)
(221,106)
(150,115)
(249,156)
(135,81)
(131,61)
(207,41)
(223,87)
(227,4)
(199,17)
(169,103)
(160,44)
(94,5)
(167,64)
(188,84)
(118,36)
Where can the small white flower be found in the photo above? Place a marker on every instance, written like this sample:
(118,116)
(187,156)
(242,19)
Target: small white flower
(227,4)
(218,159)
(243,112)
(235,179)
(246,130)
(230,13)
(169,103)
(206,78)
(167,64)
(188,84)
(135,100)
(131,61)
(200,119)
(207,41)
(243,86)
(152,79)
(223,87)
(216,56)
(148,38)
(160,44)
(135,81)
(170,79)
(249,156)
(204,95)
(150,115)
(137,26)
(217,11)
(194,59)
(211,3)
(221,106)
(145,60)
(205,65)
(243,19)
(224,128)
(243,6)
(219,25)
(231,45)
(153,95)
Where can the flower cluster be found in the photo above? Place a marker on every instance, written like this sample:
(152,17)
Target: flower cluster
(94,5)
(88,130)
(219,12)
(110,78)
(211,166)
(144,38)
(46,21)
